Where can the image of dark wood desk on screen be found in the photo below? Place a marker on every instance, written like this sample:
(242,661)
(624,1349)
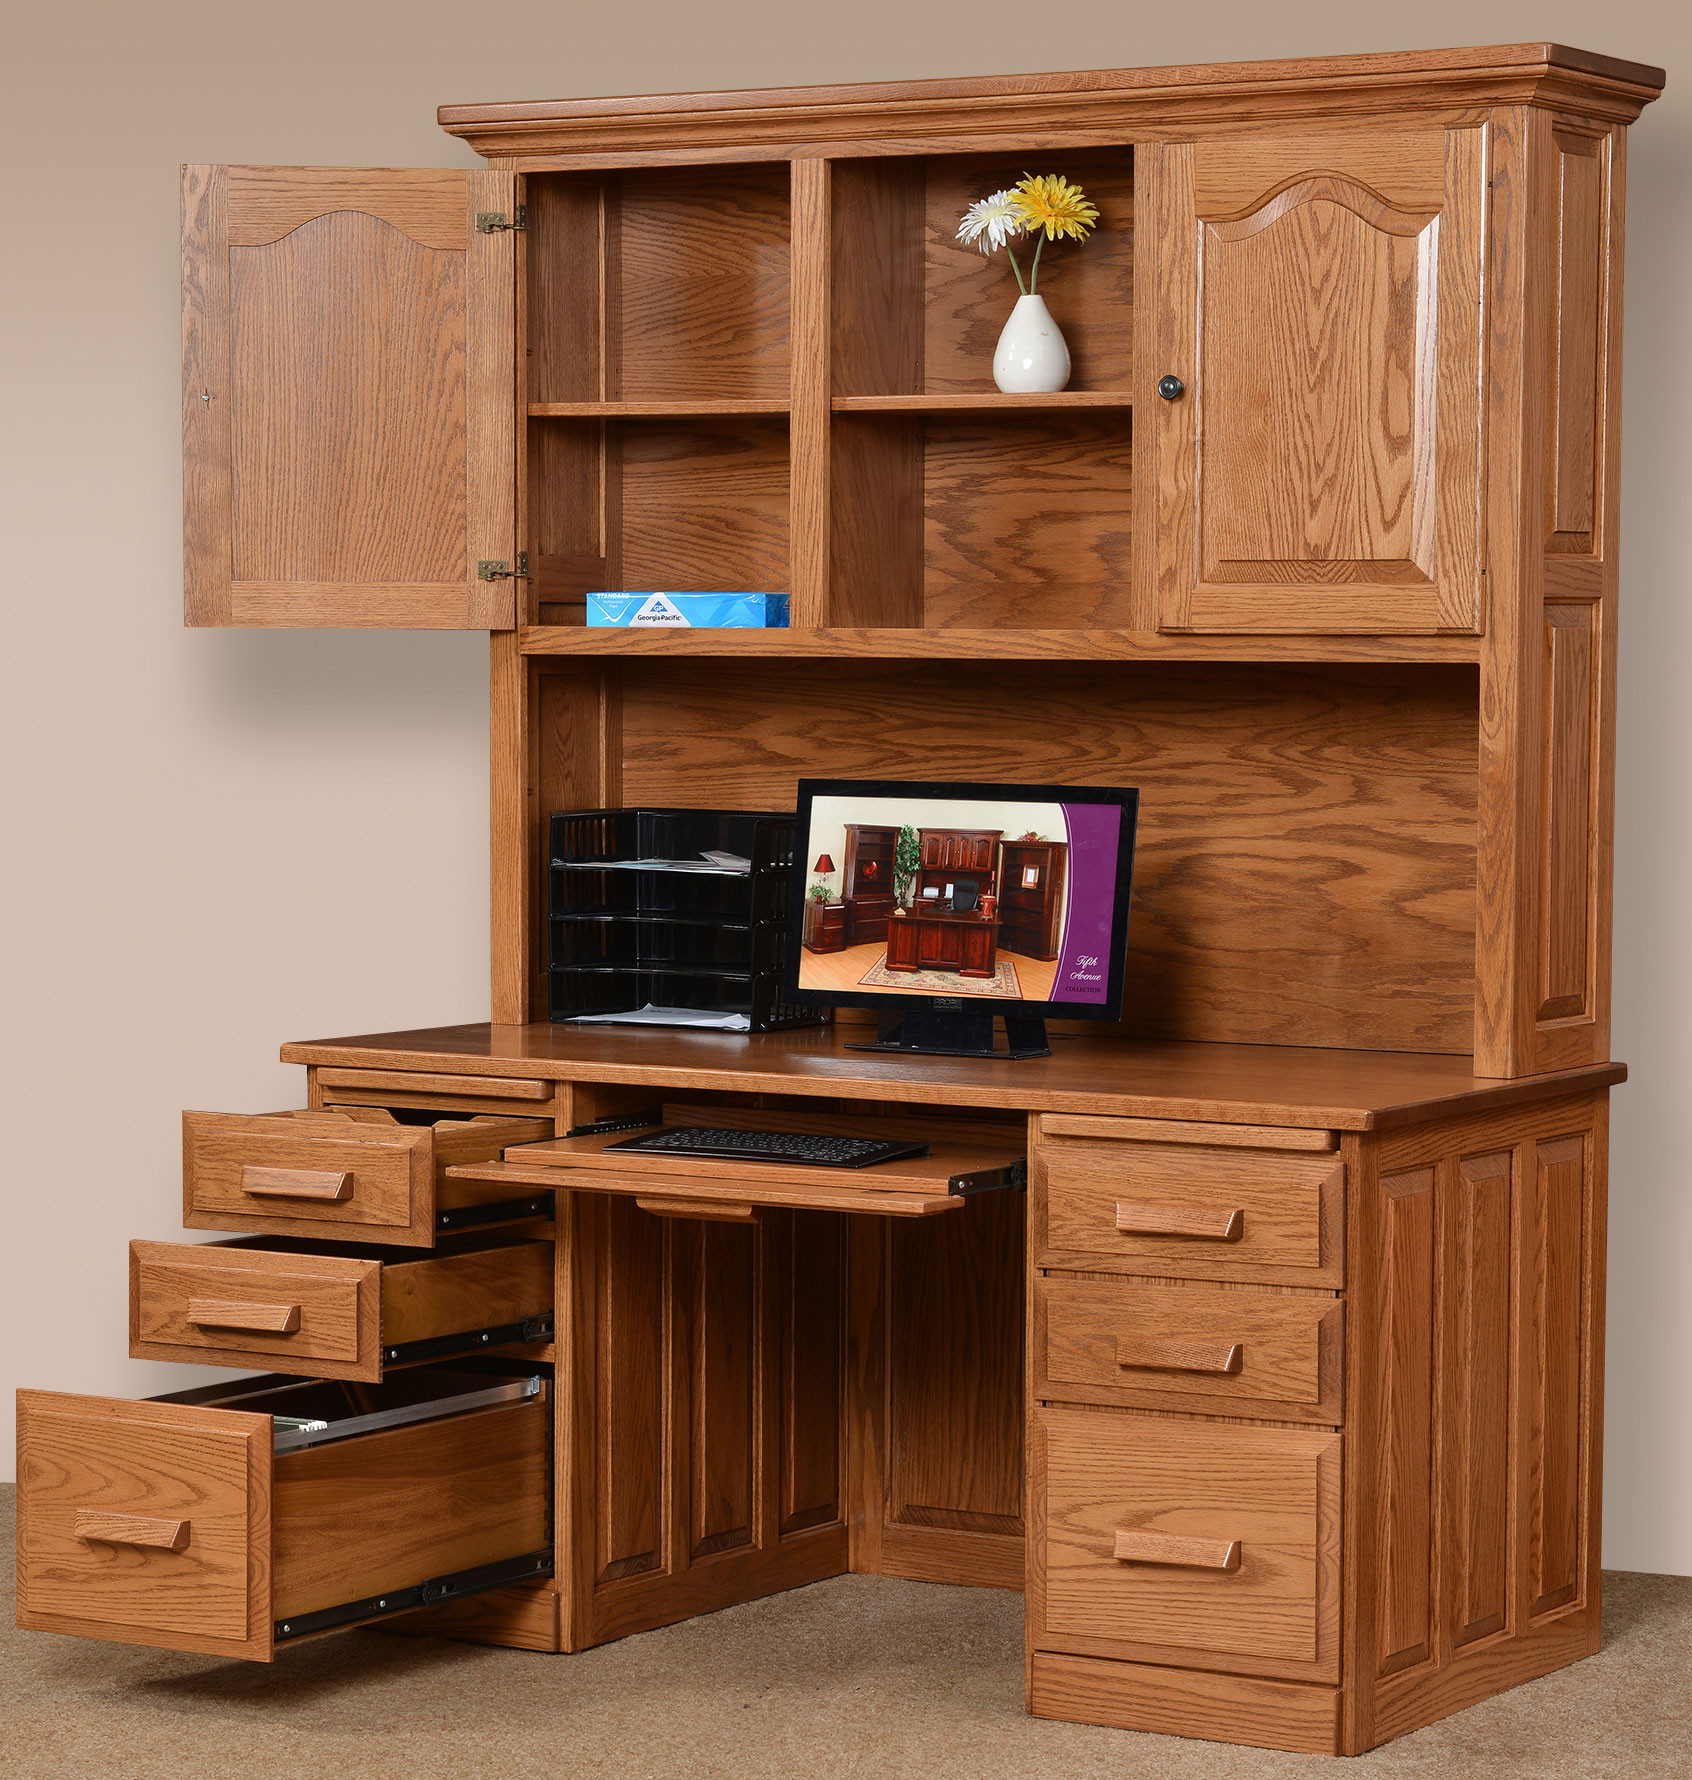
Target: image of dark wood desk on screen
(961,901)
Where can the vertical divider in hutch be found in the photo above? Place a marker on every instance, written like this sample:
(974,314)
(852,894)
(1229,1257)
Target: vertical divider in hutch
(810,300)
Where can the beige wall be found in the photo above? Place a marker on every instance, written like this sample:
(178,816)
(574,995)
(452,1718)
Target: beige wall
(218,841)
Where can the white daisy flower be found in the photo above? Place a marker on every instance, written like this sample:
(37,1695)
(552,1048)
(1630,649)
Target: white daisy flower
(990,222)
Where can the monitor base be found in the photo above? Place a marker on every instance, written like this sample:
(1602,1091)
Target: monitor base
(957,1035)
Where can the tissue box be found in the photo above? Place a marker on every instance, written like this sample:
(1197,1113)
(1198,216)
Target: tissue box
(706,611)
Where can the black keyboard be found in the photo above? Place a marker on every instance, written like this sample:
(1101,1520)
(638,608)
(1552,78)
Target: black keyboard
(806,1148)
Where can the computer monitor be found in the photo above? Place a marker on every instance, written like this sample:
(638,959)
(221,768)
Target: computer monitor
(945,906)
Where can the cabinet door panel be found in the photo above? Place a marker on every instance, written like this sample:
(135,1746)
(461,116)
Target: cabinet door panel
(1319,468)
(349,397)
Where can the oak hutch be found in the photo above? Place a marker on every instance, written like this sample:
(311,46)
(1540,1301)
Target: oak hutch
(1280,1390)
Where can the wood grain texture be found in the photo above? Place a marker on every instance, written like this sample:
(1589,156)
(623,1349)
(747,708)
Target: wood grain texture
(1473,1409)
(1288,1085)
(349,439)
(707,251)
(1289,1211)
(966,297)
(1575,457)
(1184,1703)
(1569,821)
(1146,1344)
(704,506)
(1275,1490)
(268,203)
(1506,931)
(93,1460)
(1321,470)
(863,639)
(695,1459)
(1304,845)
(426,1499)
(349,354)
(1478,1309)
(144,1530)
(488,1087)
(934,1423)
(811,300)
(1239,1137)
(334,1301)
(1026,521)
(1406,1487)
(207,494)
(1071,109)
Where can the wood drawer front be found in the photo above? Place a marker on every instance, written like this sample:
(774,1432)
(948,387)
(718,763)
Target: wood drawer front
(327,1315)
(1190,1211)
(175,1525)
(354,1174)
(1214,1349)
(1204,1543)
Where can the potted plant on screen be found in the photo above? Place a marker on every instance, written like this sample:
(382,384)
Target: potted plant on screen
(907,856)
(1032,356)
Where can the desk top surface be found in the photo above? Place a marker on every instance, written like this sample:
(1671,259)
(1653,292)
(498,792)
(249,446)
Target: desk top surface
(1128,1078)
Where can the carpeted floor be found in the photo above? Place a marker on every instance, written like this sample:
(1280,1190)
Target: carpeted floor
(854,1677)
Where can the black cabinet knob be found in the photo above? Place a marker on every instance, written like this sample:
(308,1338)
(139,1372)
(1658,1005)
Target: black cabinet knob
(1170,386)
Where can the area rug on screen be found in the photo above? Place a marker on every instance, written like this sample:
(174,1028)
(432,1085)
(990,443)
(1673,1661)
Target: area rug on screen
(1003,986)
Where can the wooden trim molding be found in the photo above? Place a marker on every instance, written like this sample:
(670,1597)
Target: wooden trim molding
(1062,107)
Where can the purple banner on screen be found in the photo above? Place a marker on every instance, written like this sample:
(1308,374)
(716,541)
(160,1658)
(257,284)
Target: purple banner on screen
(1083,972)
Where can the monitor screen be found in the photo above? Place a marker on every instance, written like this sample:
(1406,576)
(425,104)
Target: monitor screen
(1002,898)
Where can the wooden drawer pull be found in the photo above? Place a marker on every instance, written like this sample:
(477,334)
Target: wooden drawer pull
(718,1211)
(1179,1356)
(1169,1548)
(1204,1222)
(296,1183)
(263,1319)
(132,1529)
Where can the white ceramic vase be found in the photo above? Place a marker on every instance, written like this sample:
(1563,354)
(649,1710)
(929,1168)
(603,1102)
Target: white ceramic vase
(1031,357)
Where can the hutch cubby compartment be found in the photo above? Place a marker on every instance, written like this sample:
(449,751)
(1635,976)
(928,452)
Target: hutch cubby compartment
(629,926)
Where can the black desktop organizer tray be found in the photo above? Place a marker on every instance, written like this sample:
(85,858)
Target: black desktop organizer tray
(620,939)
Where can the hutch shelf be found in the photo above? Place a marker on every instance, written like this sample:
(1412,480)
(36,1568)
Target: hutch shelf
(1280,1391)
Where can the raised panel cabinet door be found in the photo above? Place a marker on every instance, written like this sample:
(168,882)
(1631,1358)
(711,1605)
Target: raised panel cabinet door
(1308,380)
(349,397)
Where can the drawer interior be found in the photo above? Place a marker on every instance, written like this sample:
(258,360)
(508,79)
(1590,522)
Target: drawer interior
(236,1516)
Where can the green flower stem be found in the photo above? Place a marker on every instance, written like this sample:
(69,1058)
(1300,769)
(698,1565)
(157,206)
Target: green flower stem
(1034,270)
(1017,269)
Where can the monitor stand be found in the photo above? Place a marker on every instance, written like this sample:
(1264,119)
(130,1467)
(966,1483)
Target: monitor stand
(928,1034)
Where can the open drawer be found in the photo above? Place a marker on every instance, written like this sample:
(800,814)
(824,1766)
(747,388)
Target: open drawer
(234,1517)
(352,1173)
(711,1187)
(331,1311)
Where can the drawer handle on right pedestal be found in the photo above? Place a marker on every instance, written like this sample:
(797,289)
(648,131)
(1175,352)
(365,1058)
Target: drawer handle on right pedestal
(132,1529)
(1208,1223)
(1170,1548)
(257,1319)
(1179,1356)
(296,1183)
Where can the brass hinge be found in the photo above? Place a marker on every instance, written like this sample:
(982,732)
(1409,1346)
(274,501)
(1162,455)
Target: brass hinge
(501,570)
(490,222)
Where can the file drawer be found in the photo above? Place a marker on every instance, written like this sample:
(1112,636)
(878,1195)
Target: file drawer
(1210,1544)
(1189,1211)
(1195,1346)
(331,1311)
(353,1173)
(202,1522)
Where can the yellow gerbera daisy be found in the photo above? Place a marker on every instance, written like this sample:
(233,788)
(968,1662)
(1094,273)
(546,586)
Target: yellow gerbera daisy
(1049,204)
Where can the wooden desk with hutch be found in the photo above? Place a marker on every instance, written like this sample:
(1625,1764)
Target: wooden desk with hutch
(1280,1389)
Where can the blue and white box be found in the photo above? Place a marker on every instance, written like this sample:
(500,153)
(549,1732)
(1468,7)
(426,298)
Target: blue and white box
(699,611)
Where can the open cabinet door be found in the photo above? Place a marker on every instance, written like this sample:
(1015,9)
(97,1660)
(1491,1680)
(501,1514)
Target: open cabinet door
(349,396)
